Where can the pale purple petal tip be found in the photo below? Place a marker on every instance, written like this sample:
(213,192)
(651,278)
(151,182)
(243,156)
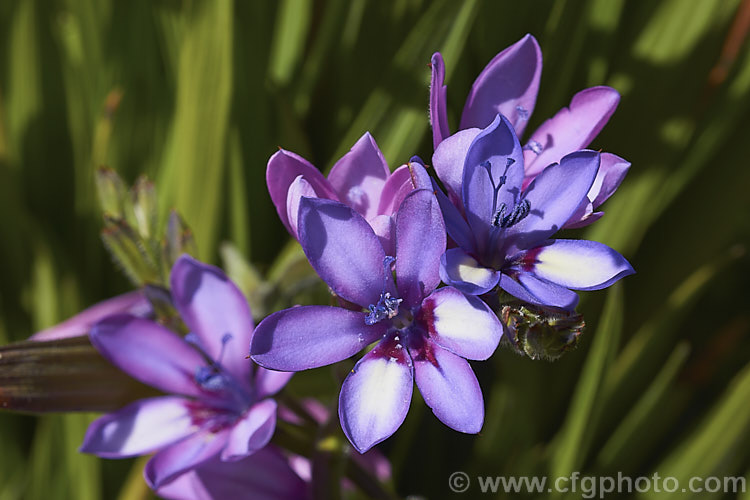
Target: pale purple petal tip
(462,271)
(134,303)
(376,395)
(269,382)
(461,323)
(252,432)
(285,166)
(449,386)
(140,428)
(576,264)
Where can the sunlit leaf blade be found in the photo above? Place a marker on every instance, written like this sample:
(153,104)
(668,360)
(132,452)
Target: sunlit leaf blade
(62,375)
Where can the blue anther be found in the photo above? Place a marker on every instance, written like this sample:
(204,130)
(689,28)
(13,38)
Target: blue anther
(523,113)
(535,147)
(519,212)
(387,307)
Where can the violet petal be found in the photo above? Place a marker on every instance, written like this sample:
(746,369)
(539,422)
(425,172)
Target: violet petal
(149,352)
(343,249)
(182,456)
(420,241)
(460,270)
(264,475)
(376,395)
(449,386)
(576,264)
(438,104)
(461,323)
(213,307)
(283,168)
(358,177)
(572,128)
(508,84)
(139,428)
(252,432)
(311,336)
(553,197)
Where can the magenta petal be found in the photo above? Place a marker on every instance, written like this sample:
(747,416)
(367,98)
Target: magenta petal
(269,382)
(182,456)
(149,352)
(438,104)
(508,85)
(496,147)
(358,177)
(576,264)
(531,289)
(264,475)
(283,168)
(571,129)
(299,188)
(375,396)
(140,428)
(311,336)
(403,181)
(554,197)
(385,229)
(134,303)
(611,173)
(461,323)
(420,241)
(449,158)
(462,271)
(252,432)
(449,386)
(342,247)
(212,306)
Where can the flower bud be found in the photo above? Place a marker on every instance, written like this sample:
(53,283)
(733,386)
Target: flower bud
(539,332)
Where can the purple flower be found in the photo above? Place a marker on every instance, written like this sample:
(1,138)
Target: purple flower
(134,303)
(423,335)
(218,409)
(508,85)
(504,237)
(361,179)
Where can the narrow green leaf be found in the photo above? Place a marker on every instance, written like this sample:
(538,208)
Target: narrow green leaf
(572,443)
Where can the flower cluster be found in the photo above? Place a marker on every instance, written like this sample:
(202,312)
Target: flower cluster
(430,268)
(384,255)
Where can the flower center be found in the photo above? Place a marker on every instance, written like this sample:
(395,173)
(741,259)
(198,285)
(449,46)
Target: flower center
(387,306)
(214,378)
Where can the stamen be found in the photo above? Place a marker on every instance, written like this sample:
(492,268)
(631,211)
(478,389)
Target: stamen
(520,211)
(523,113)
(535,147)
(387,307)
(212,376)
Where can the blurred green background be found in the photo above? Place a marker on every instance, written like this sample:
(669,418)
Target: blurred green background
(198,94)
